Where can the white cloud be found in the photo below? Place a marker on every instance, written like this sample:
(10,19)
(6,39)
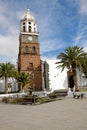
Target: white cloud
(81,38)
(83,6)
(77,39)
(49,56)
(45,18)
(85,46)
(51,45)
(8,46)
(20,14)
(8,34)
(81,35)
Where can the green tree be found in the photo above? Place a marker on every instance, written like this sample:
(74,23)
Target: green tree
(72,58)
(84,66)
(23,79)
(7,70)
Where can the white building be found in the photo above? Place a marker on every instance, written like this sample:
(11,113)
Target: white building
(55,79)
(52,77)
(12,85)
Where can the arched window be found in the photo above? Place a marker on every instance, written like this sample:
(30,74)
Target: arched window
(34,28)
(23,28)
(33,50)
(26,49)
(30,66)
(29,22)
(29,28)
(24,23)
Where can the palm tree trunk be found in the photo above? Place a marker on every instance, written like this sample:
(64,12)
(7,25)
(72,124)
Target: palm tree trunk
(6,85)
(21,88)
(75,80)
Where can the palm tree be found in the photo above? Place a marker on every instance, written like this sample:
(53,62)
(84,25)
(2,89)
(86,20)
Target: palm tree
(72,59)
(84,66)
(23,79)
(7,70)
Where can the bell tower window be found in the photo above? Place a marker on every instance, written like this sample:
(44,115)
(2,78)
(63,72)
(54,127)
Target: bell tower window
(24,27)
(29,22)
(26,49)
(24,23)
(33,50)
(31,66)
(29,28)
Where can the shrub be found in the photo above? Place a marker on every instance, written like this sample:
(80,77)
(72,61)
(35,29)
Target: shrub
(41,100)
(5,99)
(16,100)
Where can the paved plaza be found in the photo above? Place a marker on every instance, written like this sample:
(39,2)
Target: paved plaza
(66,114)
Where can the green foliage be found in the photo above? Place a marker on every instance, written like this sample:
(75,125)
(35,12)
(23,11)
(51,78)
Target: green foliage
(41,100)
(84,65)
(73,58)
(16,100)
(5,99)
(7,70)
(23,79)
(30,99)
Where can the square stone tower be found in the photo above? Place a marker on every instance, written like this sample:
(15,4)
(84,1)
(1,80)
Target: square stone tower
(29,51)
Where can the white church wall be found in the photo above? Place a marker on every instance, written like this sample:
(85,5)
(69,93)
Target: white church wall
(57,79)
(13,85)
(82,82)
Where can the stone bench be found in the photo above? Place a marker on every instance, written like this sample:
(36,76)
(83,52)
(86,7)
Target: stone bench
(78,95)
(59,93)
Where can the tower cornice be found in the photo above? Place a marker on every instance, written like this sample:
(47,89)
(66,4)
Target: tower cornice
(27,33)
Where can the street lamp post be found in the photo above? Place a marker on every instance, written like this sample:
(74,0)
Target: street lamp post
(33,81)
(33,86)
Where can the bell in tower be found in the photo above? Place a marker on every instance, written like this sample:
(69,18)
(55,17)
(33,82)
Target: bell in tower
(29,50)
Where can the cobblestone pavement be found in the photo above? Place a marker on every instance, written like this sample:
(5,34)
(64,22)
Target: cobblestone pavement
(66,114)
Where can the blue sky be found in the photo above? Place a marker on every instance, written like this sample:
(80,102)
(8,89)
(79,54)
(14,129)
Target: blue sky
(61,23)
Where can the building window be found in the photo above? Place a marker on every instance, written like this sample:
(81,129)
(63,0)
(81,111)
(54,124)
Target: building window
(26,49)
(29,28)
(29,22)
(30,65)
(33,50)
(23,23)
(23,28)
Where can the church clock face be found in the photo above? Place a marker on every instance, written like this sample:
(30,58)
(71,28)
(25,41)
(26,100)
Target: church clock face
(30,38)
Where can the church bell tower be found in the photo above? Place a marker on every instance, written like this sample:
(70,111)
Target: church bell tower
(29,50)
